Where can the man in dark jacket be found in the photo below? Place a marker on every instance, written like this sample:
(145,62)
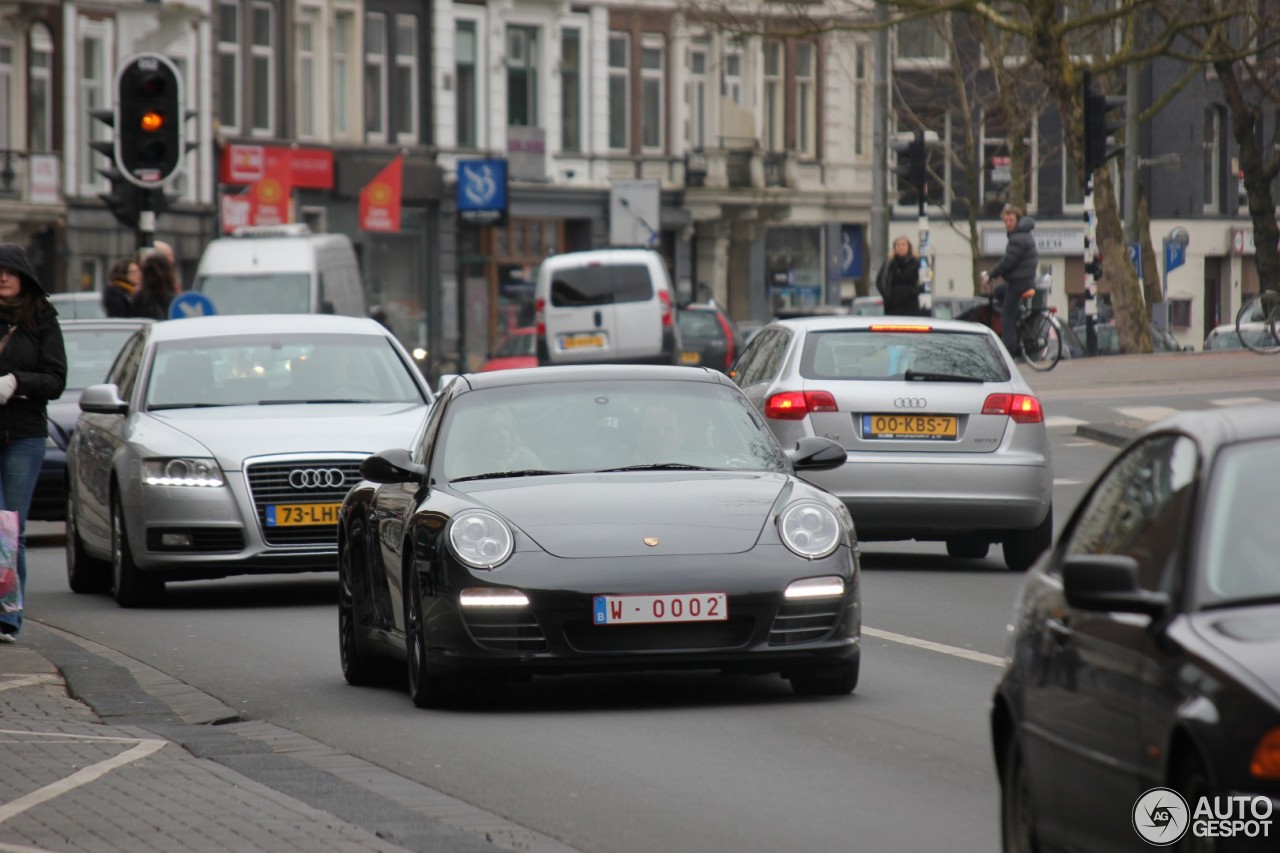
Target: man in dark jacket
(1018,268)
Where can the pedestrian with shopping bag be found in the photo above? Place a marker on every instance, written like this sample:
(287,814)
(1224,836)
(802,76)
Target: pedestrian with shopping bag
(33,371)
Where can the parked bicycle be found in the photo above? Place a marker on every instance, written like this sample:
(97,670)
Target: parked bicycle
(1258,323)
(1039,332)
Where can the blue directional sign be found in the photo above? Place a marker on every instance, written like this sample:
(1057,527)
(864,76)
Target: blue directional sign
(482,191)
(191,304)
(1175,255)
(1135,257)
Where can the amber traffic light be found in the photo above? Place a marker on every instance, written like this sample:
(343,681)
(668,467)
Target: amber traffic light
(149,140)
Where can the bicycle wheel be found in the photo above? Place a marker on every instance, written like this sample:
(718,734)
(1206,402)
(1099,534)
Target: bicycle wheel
(1040,339)
(1258,323)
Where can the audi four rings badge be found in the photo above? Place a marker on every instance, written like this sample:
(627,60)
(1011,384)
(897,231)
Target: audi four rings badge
(910,403)
(316,478)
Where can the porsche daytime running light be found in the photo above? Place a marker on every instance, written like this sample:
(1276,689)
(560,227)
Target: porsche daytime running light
(828,587)
(810,529)
(492,597)
(480,539)
(182,472)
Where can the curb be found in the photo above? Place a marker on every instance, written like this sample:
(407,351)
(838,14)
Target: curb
(1116,435)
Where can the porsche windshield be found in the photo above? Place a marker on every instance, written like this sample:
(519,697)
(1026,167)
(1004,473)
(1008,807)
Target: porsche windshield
(604,426)
(1241,538)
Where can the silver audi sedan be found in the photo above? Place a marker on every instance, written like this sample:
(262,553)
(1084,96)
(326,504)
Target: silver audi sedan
(945,440)
(225,445)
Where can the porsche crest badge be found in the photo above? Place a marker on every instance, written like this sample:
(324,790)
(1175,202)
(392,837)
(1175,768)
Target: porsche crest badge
(651,541)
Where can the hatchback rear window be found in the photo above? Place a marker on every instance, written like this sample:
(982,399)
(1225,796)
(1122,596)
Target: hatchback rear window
(585,287)
(864,354)
(700,324)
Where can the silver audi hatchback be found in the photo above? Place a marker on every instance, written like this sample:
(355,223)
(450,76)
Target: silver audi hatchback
(945,440)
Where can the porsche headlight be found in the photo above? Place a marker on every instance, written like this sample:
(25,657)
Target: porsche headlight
(183,471)
(810,529)
(480,539)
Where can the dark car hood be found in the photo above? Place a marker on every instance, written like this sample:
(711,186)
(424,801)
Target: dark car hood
(1250,637)
(610,515)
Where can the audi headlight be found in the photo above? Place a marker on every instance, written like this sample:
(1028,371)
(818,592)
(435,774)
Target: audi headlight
(182,472)
(810,529)
(480,539)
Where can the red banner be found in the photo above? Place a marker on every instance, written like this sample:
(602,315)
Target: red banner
(303,168)
(380,199)
(264,202)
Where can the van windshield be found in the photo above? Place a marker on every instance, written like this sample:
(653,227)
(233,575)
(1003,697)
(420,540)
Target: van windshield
(606,284)
(258,293)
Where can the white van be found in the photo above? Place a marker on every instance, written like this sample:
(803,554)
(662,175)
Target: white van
(281,269)
(606,305)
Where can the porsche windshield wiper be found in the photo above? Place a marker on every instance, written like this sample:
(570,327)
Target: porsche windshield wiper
(913,376)
(1251,601)
(495,475)
(657,466)
(166,406)
(313,402)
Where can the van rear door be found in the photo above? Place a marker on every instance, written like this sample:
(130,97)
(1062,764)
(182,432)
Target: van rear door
(580,315)
(639,310)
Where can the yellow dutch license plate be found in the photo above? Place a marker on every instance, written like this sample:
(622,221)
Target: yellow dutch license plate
(928,427)
(570,342)
(691,358)
(302,515)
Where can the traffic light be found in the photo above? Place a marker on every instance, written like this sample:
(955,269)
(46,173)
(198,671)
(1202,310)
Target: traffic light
(125,199)
(912,162)
(1097,128)
(149,121)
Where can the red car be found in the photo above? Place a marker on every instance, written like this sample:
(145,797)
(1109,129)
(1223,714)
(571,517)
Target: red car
(518,349)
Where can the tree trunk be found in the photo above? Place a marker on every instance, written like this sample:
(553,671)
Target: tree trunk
(1153,275)
(1126,298)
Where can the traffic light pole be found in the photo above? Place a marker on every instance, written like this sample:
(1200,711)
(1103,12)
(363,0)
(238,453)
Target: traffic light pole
(1090,269)
(926,250)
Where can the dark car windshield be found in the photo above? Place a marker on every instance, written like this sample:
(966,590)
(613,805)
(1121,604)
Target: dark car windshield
(601,284)
(258,293)
(581,426)
(880,355)
(90,353)
(1238,555)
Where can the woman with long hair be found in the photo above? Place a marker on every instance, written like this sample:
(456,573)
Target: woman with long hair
(899,280)
(33,371)
(123,281)
(159,286)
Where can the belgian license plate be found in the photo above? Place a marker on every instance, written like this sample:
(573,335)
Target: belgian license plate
(577,342)
(642,609)
(302,515)
(927,427)
(691,358)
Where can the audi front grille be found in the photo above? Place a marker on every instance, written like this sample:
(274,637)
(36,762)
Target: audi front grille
(314,481)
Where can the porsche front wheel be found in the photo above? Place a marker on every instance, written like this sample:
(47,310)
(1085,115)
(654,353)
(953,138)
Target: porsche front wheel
(425,689)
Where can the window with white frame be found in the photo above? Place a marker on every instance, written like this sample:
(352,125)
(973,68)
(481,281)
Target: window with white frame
(406,79)
(619,91)
(731,74)
(652,100)
(921,39)
(522,76)
(696,93)
(8,85)
(344,28)
(40,90)
(996,177)
(806,99)
(571,89)
(860,97)
(774,99)
(1091,42)
(182,184)
(375,77)
(307,48)
(95,85)
(1212,159)
(465,58)
(938,167)
(229,88)
(1072,185)
(262,60)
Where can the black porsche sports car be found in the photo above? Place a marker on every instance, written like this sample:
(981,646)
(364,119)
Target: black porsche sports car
(592,519)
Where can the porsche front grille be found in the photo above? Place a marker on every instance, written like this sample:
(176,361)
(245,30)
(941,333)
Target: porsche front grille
(269,485)
(804,623)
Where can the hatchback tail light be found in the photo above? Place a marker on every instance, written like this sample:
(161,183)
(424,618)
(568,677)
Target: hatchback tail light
(664,296)
(540,316)
(796,405)
(1023,408)
(728,340)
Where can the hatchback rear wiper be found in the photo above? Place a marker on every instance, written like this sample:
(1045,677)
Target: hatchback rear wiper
(914,376)
(495,475)
(657,466)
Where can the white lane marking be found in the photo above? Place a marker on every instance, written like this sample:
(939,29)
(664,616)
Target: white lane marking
(1058,482)
(1239,401)
(1146,413)
(940,648)
(141,749)
(22,848)
(1080,444)
(27,681)
(1062,421)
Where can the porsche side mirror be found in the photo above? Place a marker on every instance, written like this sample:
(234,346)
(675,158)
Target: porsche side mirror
(103,400)
(392,466)
(1109,583)
(812,453)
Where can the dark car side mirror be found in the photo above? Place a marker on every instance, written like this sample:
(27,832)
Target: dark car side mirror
(103,400)
(1109,582)
(817,454)
(392,466)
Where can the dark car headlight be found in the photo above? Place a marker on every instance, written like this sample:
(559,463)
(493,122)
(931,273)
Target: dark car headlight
(480,539)
(182,471)
(810,529)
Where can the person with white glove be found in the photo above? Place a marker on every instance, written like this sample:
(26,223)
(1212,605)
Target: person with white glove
(8,384)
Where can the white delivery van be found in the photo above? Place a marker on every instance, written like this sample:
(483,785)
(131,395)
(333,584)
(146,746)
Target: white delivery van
(282,269)
(605,305)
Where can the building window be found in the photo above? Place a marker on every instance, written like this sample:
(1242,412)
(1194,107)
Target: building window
(7,87)
(522,76)
(774,101)
(571,90)
(696,99)
(997,168)
(343,33)
(306,28)
(464,73)
(406,79)
(94,86)
(1072,187)
(652,68)
(375,77)
(229,66)
(619,90)
(806,100)
(731,83)
(1180,313)
(182,184)
(40,90)
(921,39)
(1212,160)
(262,64)
(859,99)
(937,167)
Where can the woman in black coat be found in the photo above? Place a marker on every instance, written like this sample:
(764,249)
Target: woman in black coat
(33,371)
(159,286)
(899,280)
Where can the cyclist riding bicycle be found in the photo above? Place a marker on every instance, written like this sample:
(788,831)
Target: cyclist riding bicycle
(1017,268)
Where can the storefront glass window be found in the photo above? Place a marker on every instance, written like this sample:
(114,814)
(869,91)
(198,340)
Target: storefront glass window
(793,268)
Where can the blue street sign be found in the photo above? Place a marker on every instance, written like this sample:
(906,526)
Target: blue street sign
(191,304)
(1135,257)
(1175,255)
(482,191)
(850,251)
